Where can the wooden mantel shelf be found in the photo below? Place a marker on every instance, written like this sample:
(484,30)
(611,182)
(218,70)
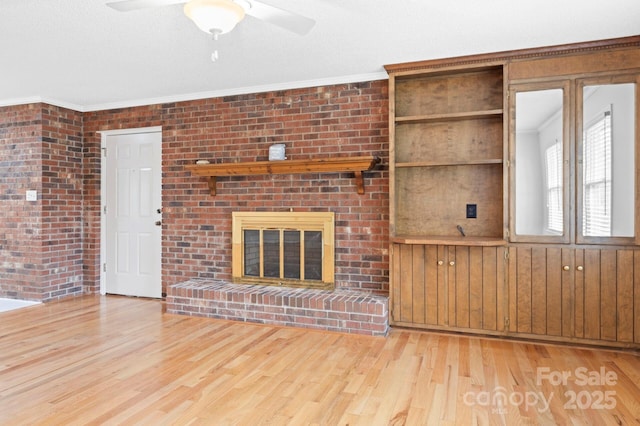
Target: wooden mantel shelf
(316,165)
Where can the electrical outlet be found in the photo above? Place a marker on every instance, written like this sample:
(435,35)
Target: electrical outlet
(472,211)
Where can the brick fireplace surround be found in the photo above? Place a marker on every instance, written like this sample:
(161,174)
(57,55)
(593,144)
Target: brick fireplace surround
(51,247)
(332,310)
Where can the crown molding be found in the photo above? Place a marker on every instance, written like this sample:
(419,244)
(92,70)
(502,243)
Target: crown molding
(499,58)
(41,100)
(356,78)
(239,91)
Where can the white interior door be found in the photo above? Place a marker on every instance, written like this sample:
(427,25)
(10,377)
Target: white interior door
(133,211)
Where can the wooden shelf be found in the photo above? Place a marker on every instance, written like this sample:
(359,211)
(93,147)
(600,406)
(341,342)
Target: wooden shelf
(320,165)
(471,115)
(449,241)
(451,163)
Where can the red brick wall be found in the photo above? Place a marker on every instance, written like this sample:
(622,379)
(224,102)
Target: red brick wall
(40,241)
(20,164)
(62,202)
(340,120)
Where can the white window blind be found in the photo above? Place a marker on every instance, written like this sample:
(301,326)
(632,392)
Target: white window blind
(596,219)
(553,167)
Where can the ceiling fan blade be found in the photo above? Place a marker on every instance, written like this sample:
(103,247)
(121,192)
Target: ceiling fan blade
(129,5)
(282,18)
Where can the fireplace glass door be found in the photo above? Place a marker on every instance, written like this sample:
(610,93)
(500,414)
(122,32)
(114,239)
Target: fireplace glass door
(292,249)
(290,254)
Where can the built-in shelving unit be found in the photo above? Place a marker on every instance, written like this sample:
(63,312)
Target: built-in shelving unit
(357,165)
(446,156)
(457,259)
(446,152)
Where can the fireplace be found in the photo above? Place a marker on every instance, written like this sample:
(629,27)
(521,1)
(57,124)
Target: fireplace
(276,252)
(292,249)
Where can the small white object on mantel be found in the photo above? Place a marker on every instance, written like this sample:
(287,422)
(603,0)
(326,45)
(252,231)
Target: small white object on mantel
(202,162)
(276,152)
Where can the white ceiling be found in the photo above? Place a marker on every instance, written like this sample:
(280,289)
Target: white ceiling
(86,56)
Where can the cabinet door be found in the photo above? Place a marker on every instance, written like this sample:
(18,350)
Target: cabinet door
(608,295)
(540,163)
(448,286)
(541,291)
(476,287)
(607,148)
(584,129)
(417,285)
(588,294)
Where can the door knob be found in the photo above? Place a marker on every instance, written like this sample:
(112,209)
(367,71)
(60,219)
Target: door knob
(158,223)
(566,267)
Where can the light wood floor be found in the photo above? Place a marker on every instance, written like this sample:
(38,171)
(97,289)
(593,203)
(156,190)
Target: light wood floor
(116,360)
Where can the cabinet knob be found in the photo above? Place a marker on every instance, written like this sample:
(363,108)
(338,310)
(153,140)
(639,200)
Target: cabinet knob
(566,267)
(580,268)
(440,262)
(452,263)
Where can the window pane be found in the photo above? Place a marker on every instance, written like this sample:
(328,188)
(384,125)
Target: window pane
(553,175)
(251,253)
(292,254)
(597,177)
(313,255)
(608,166)
(271,253)
(539,162)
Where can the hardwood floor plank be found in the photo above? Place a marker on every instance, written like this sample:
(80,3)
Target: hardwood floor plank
(115,360)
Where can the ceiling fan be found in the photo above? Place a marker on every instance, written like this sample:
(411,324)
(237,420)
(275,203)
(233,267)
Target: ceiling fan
(221,16)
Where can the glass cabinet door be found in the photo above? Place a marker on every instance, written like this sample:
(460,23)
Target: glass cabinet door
(539,163)
(573,153)
(606,166)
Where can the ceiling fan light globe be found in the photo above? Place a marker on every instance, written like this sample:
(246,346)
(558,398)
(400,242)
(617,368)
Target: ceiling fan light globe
(214,16)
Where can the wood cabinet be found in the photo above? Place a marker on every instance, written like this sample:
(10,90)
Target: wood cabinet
(446,156)
(452,146)
(588,295)
(448,287)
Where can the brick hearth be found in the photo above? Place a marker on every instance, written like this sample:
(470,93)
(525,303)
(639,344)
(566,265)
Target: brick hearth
(337,310)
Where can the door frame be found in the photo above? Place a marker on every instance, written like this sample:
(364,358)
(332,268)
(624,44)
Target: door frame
(103,192)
